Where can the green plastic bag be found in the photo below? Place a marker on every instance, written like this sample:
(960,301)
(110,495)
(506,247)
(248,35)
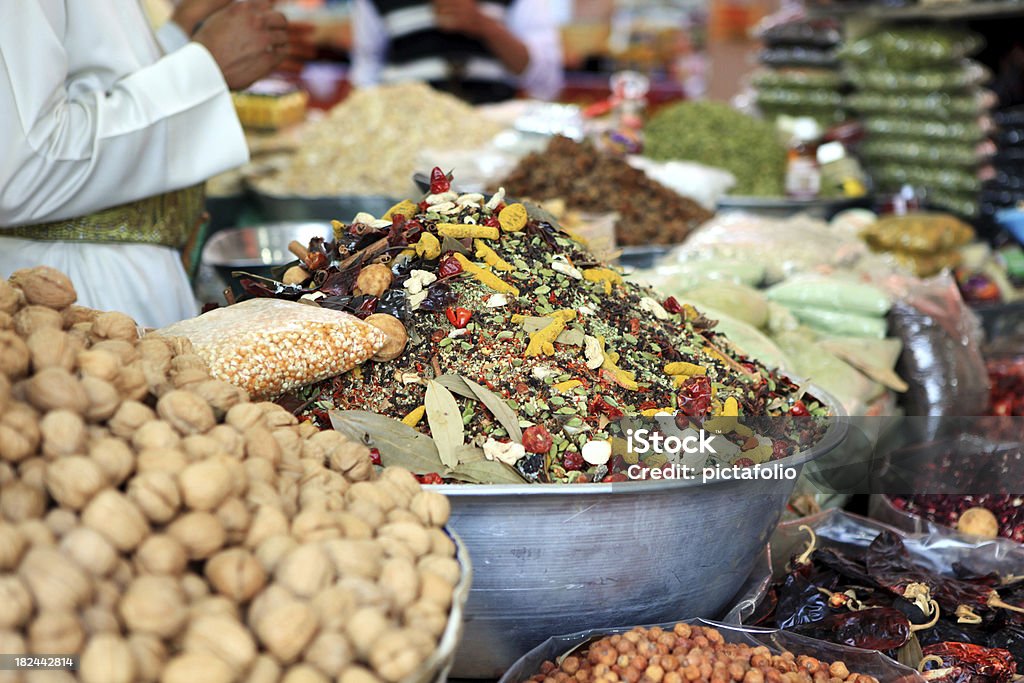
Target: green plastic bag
(832,294)
(821,368)
(738,301)
(843,324)
(747,339)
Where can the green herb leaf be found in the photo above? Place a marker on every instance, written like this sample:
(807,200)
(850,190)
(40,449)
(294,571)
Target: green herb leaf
(445,421)
(399,444)
(486,472)
(502,413)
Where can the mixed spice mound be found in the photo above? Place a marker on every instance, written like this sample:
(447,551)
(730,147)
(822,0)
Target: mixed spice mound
(587,179)
(524,357)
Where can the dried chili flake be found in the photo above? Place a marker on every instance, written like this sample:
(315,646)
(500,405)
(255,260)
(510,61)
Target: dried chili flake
(439,181)
(694,397)
(459,317)
(599,406)
(448,267)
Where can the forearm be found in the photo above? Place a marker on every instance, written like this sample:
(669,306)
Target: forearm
(512,52)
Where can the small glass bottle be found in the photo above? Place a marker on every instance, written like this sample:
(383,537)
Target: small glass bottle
(803,175)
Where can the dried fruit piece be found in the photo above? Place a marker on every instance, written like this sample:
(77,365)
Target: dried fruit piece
(537,439)
(513,218)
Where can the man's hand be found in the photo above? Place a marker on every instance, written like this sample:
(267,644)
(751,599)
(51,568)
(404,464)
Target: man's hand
(460,16)
(247,40)
(188,14)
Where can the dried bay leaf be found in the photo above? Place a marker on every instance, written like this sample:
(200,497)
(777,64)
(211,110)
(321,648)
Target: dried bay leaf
(456,385)
(399,444)
(445,420)
(505,415)
(486,472)
(469,453)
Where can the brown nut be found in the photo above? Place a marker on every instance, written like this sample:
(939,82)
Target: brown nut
(235,516)
(244,416)
(201,533)
(61,521)
(63,433)
(157,495)
(236,573)
(373,280)
(154,605)
(99,363)
(393,657)
(19,432)
(414,536)
(12,547)
(364,628)
(155,434)
(170,460)
(14,355)
(978,521)
(432,509)
(264,670)
(11,298)
(286,629)
(45,286)
(266,522)
(104,399)
(52,631)
(205,484)
(149,654)
(114,457)
(74,480)
(117,518)
(219,394)
(33,319)
(78,314)
(333,606)
(21,502)
(107,659)
(186,412)
(90,551)
(197,666)
(129,418)
(395,333)
(17,602)
(295,275)
(426,616)
(115,326)
(224,637)
(329,652)
(357,674)
(56,389)
(271,551)
(305,570)
(51,348)
(400,581)
(55,583)
(132,383)
(161,554)
(444,567)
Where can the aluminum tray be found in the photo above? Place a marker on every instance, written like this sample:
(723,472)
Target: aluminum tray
(554,558)
(781,207)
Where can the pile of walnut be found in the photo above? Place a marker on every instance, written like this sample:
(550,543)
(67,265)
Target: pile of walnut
(158,523)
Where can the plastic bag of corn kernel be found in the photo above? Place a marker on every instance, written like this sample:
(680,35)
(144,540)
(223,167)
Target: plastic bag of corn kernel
(269,346)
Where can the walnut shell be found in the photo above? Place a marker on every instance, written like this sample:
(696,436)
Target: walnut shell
(154,605)
(154,347)
(219,394)
(330,652)
(231,441)
(205,484)
(17,602)
(32,319)
(161,554)
(11,298)
(73,315)
(90,551)
(132,383)
(155,434)
(400,581)
(341,455)
(271,551)
(56,389)
(99,363)
(186,412)
(104,399)
(197,666)
(45,286)
(74,480)
(52,631)
(357,674)
(129,418)
(436,590)
(235,517)
(53,349)
(156,493)
(63,433)
(426,617)
(117,518)
(236,573)
(355,557)
(305,570)
(364,628)
(149,654)
(61,521)
(304,673)
(12,547)
(446,568)
(115,458)
(223,637)
(264,670)
(55,583)
(19,433)
(333,606)
(170,460)
(20,502)
(14,355)
(266,522)
(189,378)
(115,326)
(393,655)
(396,336)
(200,533)
(286,629)
(107,658)
(244,416)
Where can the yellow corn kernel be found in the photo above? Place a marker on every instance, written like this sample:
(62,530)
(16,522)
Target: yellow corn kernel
(428,247)
(685,369)
(462,230)
(414,416)
(491,258)
(513,218)
(404,207)
(607,276)
(485,276)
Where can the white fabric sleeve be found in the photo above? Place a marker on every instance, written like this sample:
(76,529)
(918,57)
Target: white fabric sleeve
(171,37)
(369,44)
(69,148)
(533,23)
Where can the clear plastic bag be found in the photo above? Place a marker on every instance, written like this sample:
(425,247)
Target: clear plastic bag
(963,76)
(933,131)
(797,78)
(924,153)
(936,105)
(908,47)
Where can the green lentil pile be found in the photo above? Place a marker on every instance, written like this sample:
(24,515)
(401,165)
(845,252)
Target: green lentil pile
(715,134)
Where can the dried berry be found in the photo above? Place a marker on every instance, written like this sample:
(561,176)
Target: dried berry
(537,439)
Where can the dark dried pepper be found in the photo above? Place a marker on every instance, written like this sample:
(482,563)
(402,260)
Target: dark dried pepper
(967,663)
(876,628)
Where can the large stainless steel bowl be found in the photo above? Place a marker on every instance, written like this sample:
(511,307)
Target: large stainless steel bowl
(560,558)
(274,207)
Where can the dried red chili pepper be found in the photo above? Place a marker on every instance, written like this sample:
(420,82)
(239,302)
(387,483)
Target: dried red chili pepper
(459,317)
(694,399)
(493,222)
(430,478)
(366,307)
(672,305)
(599,406)
(375,456)
(968,663)
(439,182)
(448,267)
(876,628)
(799,409)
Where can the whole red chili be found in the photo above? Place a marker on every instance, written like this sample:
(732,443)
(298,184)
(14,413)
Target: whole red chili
(439,182)
(694,398)
(537,439)
(672,305)
(448,267)
(366,308)
(315,260)
(799,409)
(459,317)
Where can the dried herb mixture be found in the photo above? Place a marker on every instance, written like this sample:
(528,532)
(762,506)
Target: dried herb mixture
(522,349)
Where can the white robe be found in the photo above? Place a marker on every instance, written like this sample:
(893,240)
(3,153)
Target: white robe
(93,115)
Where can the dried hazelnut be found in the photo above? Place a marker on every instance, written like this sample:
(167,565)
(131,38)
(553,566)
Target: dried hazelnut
(45,286)
(393,656)
(129,418)
(12,546)
(63,433)
(399,580)
(200,533)
(17,602)
(395,335)
(53,349)
(10,298)
(149,654)
(115,326)
(104,399)
(19,433)
(156,493)
(117,518)
(107,659)
(155,434)
(14,355)
(52,631)
(33,319)
(305,570)
(154,605)
(223,637)
(161,554)
(56,389)
(197,666)
(186,412)
(364,628)
(20,502)
(90,551)
(236,573)
(55,583)
(286,629)
(373,280)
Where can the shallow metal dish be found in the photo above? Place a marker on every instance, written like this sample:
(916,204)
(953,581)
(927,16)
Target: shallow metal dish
(781,207)
(275,207)
(559,558)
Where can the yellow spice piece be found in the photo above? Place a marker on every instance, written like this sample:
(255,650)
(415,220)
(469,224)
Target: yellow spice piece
(731,408)
(604,275)
(543,340)
(690,313)
(404,207)
(428,247)
(339,229)
(491,258)
(462,230)
(759,454)
(715,353)
(624,378)
(486,277)
(513,218)
(408,253)
(414,416)
(743,430)
(651,412)
(567,386)
(685,369)
(656,460)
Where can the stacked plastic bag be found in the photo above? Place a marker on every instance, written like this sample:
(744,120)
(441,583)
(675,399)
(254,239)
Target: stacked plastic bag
(923,106)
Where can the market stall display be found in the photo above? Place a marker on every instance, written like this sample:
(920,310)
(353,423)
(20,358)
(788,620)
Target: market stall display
(1006,189)
(986,515)
(162,526)
(585,178)
(714,134)
(923,71)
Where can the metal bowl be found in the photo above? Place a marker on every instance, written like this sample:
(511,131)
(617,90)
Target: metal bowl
(258,249)
(566,557)
(782,207)
(274,207)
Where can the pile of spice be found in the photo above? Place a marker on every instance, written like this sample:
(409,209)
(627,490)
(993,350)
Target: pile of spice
(953,626)
(688,653)
(986,515)
(1006,376)
(585,178)
(334,156)
(523,357)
